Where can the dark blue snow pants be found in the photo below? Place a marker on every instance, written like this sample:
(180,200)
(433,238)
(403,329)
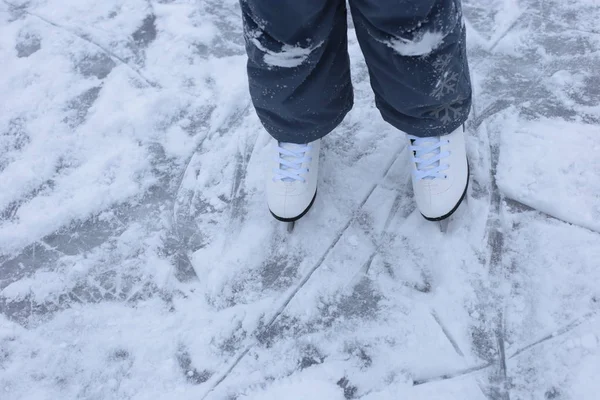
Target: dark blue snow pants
(299,70)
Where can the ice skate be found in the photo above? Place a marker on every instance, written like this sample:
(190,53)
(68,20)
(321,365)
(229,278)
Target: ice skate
(440,174)
(292,180)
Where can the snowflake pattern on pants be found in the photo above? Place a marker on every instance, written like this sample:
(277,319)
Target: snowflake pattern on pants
(442,62)
(446,85)
(445,91)
(448,113)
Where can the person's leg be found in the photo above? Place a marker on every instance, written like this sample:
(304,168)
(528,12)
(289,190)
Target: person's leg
(298,66)
(299,74)
(416,54)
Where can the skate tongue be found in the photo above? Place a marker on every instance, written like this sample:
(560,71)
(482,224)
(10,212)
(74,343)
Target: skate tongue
(299,149)
(424,155)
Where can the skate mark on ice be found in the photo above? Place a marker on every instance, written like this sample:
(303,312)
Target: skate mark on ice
(450,375)
(87,38)
(424,286)
(466,371)
(502,390)
(447,333)
(493,109)
(494,297)
(499,388)
(232,120)
(453,343)
(523,207)
(267,326)
(378,241)
(188,203)
(392,213)
(557,333)
(488,334)
(504,33)
(364,271)
(385,237)
(489,43)
(228,371)
(238,193)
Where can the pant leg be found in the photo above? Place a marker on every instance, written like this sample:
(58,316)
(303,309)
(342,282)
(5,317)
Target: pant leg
(298,66)
(416,54)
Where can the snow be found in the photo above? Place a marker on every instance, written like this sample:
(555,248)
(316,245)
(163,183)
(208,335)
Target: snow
(422,45)
(288,56)
(138,260)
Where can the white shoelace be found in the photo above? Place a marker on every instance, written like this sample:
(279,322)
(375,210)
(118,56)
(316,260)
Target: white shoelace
(290,157)
(427,155)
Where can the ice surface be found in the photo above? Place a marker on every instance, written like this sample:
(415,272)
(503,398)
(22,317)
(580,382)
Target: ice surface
(570,150)
(138,259)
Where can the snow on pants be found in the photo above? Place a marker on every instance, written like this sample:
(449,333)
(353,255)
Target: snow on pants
(299,69)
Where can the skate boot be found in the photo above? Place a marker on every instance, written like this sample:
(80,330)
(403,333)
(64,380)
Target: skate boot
(292,181)
(440,173)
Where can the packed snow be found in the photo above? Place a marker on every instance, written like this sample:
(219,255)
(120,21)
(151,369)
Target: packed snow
(138,259)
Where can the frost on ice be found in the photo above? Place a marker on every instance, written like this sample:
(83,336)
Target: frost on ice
(288,57)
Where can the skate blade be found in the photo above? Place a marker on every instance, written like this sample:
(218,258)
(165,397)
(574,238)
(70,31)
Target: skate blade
(291,226)
(445,223)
